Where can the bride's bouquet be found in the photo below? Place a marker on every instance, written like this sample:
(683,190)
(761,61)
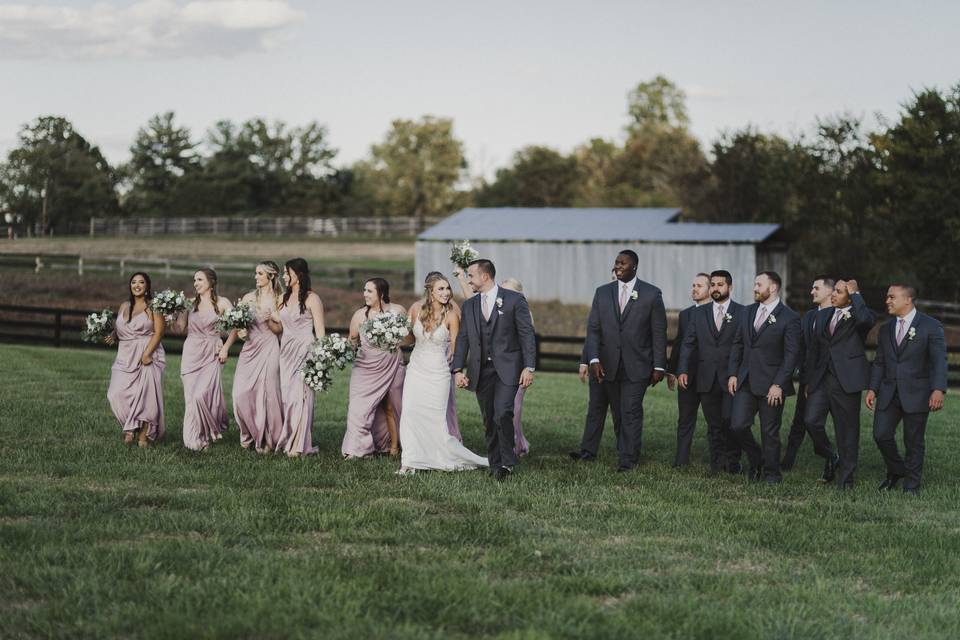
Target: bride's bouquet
(238,317)
(462,254)
(327,353)
(99,326)
(386,331)
(169,303)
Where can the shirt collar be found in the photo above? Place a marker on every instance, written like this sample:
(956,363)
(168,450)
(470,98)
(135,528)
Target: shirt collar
(909,317)
(492,294)
(771,304)
(723,305)
(630,284)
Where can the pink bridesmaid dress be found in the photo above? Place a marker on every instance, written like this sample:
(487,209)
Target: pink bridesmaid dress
(136,390)
(376,375)
(297,397)
(257,406)
(520,444)
(205,412)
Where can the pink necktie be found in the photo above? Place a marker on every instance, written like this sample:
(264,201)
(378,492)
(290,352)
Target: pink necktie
(623,297)
(719,317)
(761,316)
(484,307)
(903,322)
(835,321)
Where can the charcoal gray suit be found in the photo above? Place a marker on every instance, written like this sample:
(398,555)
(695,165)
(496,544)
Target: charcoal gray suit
(761,358)
(837,372)
(903,377)
(597,406)
(706,350)
(798,428)
(688,400)
(629,346)
(495,352)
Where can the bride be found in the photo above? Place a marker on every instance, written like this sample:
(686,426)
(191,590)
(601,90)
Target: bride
(425,441)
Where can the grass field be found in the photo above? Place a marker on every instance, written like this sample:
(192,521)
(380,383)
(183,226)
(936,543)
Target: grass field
(97,540)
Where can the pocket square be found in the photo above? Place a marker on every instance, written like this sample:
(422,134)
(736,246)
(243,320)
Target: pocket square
(499,312)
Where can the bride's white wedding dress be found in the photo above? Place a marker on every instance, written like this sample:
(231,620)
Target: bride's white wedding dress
(425,440)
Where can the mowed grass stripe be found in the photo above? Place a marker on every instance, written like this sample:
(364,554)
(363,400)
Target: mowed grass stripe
(98,540)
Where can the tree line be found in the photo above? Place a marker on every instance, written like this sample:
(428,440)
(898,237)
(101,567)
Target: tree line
(879,203)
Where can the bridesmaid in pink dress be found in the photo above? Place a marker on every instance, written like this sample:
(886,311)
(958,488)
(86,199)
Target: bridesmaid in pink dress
(521,445)
(376,383)
(301,315)
(136,389)
(257,406)
(205,412)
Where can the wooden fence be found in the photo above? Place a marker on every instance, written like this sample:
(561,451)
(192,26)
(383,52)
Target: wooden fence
(62,327)
(247,226)
(340,277)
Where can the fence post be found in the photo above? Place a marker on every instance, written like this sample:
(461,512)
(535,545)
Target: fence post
(57,328)
(38,264)
(167,269)
(91,227)
(80,266)
(123,267)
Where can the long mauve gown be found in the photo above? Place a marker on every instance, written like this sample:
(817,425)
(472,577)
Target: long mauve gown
(256,387)
(136,390)
(205,412)
(520,444)
(376,375)
(297,397)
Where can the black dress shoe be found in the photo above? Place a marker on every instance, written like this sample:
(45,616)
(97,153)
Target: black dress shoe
(772,481)
(829,469)
(735,468)
(890,483)
(502,474)
(755,474)
(624,468)
(582,456)
(911,491)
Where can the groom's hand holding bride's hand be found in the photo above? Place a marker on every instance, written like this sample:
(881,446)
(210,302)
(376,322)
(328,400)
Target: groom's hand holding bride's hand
(462,380)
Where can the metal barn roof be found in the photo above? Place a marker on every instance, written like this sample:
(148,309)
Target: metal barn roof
(589,225)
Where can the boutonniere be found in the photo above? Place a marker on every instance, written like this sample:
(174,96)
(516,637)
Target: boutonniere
(912,333)
(772,319)
(728,318)
(633,295)
(499,303)
(844,315)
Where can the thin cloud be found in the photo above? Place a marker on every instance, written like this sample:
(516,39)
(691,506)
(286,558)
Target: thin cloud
(144,29)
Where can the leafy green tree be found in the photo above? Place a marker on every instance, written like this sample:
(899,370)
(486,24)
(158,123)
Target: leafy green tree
(658,102)
(54,176)
(415,171)
(539,177)
(919,160)
(162,155)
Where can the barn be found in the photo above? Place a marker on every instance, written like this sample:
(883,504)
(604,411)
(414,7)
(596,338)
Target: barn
(564,254)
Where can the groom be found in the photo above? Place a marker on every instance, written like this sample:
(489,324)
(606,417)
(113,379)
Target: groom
(497,332)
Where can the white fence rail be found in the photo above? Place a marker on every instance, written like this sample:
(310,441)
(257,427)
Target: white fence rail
(236,226)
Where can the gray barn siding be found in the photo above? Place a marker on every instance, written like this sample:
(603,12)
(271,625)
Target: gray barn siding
(571,271)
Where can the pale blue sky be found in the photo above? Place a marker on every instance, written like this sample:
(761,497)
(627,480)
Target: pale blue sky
(509,73)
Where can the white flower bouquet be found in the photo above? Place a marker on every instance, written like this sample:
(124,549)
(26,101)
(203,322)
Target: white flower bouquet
(462,254)
(169,303)
(327,353)
(386,331)
(99,326)
(238,317)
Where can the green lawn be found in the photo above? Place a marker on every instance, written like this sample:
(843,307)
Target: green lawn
(98,540)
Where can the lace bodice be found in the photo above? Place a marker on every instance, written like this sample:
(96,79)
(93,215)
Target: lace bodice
(437,339)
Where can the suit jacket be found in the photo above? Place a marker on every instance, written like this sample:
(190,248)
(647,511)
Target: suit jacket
(912,370)
(637,338)
(768,356)
(710,347)
(673,363)
(845,348)
(806,339)
(513,344)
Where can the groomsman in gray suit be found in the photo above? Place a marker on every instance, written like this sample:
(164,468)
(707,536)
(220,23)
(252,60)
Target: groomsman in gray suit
(908,380)
(627,349)
(765,353)
(820,293)
(708,341)
(688,400)
(837,373)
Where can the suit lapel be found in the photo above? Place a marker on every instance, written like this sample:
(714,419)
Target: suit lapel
(494,316)
(906,335)
(766,321)
(712,321)
(630,301)
(615,293)
(478,317)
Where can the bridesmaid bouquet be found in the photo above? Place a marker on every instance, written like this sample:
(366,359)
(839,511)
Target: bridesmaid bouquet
(99,326)
(386,331)
(238,317)
(463,254)
(169,303)
(327,353)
